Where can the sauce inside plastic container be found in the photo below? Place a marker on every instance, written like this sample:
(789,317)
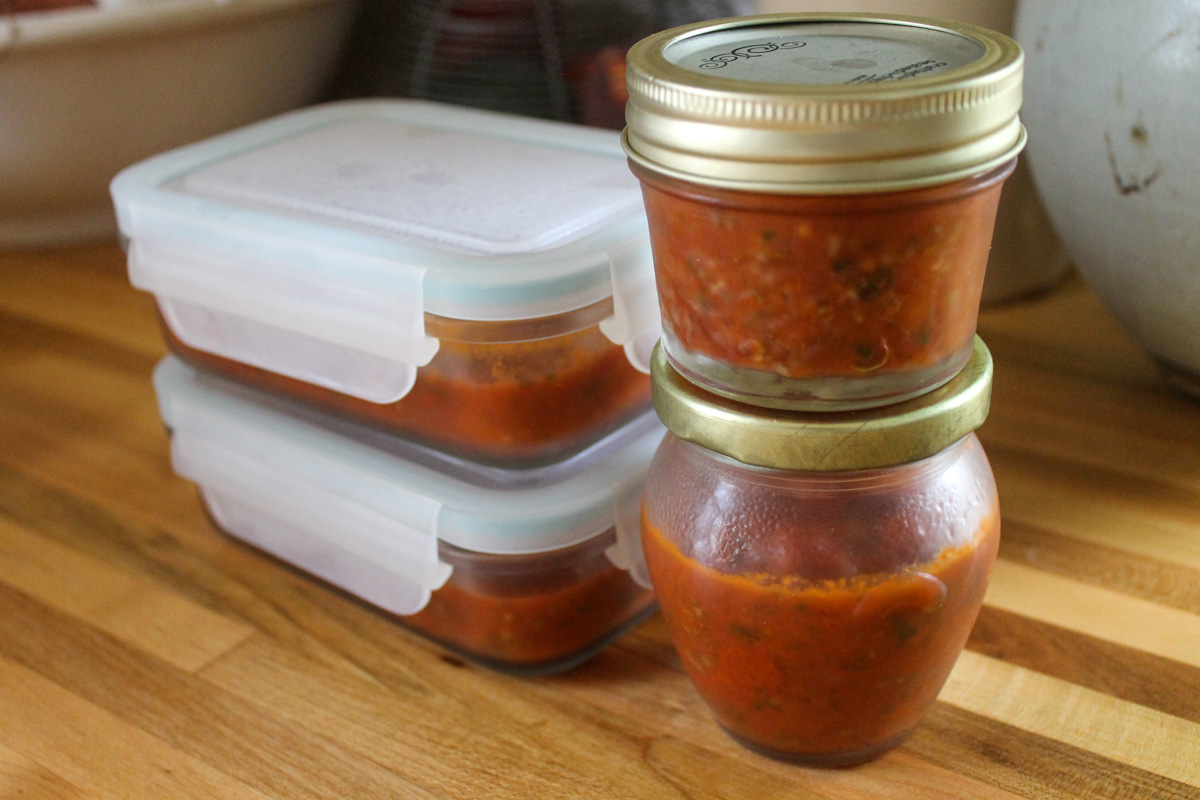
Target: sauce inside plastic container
(532,614)
(479,283)
(513,404)
(528,572)
(811,301)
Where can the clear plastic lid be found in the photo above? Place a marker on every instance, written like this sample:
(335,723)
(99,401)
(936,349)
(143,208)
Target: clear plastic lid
(314,244)
(284,478)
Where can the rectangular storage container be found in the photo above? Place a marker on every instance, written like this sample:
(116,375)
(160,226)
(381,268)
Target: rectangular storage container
(528,571)
(478,282)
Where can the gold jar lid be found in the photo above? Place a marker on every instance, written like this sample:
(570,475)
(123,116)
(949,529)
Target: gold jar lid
(824,103)
(826,441)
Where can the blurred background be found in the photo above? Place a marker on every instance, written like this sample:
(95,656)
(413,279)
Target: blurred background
(1109,184)
(136,77)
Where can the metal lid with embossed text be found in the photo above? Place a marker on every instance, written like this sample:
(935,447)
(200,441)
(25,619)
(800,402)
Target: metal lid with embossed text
(824,103)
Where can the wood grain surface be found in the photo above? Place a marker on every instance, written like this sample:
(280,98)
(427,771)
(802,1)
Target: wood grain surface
(145,654)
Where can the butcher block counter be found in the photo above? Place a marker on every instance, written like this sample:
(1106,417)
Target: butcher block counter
(145,654)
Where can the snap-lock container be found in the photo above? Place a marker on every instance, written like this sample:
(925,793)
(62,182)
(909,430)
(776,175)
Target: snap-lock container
(525,571)
(819,573)
(478,282)
(821,191)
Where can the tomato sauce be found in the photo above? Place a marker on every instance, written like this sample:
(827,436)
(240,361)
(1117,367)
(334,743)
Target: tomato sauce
(826,672)
(533,621)
(764,294)
(511,403)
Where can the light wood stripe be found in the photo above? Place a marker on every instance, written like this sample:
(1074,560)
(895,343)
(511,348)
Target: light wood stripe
(1097,612)
(1111,431)
(1030,765)
(1080,510)
(640,679)
(62,732)
(25,779)
(1160,582)
(645,717)
(128,607)
(86,292)
(247,741)
(1086,339)
(539,742)
(1092,721)
(1104,441)
(1132,675)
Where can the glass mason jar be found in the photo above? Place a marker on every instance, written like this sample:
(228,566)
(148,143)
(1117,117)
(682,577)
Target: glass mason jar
(820,573)
(821,191)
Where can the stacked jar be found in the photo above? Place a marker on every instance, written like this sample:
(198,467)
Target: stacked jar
(410,356)
(821,521)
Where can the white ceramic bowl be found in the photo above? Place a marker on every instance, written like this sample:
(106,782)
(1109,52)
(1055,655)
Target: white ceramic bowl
(85,92)
(1112,104)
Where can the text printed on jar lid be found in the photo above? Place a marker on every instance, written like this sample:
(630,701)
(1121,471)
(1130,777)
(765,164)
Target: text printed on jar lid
(824,103)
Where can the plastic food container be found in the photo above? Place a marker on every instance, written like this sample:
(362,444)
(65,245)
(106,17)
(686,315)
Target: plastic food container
(820,573)
(528,572)
(477,282)
(821,191)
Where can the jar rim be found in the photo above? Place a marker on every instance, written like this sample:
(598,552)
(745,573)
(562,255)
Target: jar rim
(826,441)
(780,130)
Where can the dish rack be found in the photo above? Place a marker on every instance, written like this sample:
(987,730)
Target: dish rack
(554,59)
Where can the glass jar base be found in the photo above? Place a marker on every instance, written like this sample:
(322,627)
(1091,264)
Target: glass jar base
(824,393)
(843,758)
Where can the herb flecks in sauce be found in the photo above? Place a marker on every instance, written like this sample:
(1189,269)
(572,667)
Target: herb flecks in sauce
(821,668)
(808,287)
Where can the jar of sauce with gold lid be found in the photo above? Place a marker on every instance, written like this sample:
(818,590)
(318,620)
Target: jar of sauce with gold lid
(819,573)
(821,191)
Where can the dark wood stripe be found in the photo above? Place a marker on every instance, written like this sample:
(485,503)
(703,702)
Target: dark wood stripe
(652,642)
(74,522)
(187,713)
(1100,481)
(1030,765)
(29,781)
(223,575)
(26,337)
(636,680)
(1122,672)
(1160,582)
(1032,380)
(405,744)
(672,766)
(1010,759)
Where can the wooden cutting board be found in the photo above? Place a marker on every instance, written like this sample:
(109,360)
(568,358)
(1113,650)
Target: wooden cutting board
(144,654)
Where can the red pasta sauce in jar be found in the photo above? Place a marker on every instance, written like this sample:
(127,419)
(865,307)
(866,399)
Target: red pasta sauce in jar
(821,191)
(813,298)
(819,602)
